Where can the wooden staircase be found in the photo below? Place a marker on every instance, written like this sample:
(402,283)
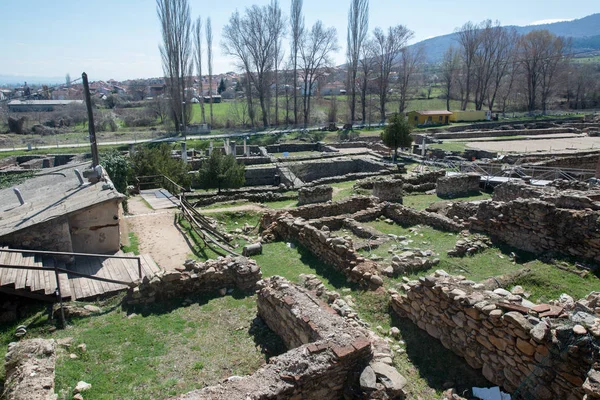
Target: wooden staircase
(41,284)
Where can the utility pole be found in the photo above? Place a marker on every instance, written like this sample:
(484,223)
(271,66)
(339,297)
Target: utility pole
(91,129)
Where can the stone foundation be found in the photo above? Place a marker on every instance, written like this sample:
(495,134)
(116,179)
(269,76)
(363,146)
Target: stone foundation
(29,366)
(541,227)
(530,352)
(209,277)
(325,360)
(388,190)
(314,194)
(458,185)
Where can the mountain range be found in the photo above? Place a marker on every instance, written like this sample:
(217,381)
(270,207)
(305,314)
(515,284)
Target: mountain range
(585,33)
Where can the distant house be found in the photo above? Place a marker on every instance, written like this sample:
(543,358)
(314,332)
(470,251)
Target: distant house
(39,105)
(429,117)
(156,90)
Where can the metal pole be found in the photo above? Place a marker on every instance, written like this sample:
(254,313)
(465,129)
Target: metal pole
(62,310)
(91,129)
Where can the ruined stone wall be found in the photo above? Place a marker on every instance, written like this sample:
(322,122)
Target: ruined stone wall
(261,176)
(567,198)
(29,366)
(333,250)
(292,147)
(317,169)
(326,351)
(407,216)
(314,194)
(457,185)
(388,190)
(209,277)
(528,354)
(52,236)
(541,227)
(507,132)
(314,211)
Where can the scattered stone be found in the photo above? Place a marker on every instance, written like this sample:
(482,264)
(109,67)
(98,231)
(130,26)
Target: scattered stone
(82,387)
(368,380)
(82,347)
(92,308)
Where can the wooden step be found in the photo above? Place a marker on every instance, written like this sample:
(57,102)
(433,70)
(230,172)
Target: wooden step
(151,265)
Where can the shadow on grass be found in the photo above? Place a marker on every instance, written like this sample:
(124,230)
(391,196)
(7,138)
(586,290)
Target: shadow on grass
(270,343)
(335,278)
(440,367)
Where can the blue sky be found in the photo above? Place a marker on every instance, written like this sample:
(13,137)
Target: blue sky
(119,38)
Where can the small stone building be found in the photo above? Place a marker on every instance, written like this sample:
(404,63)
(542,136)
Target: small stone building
(60,213)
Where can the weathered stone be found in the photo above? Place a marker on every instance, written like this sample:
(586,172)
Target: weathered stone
(368,379)
(389,377)
(82,387)
(525,347)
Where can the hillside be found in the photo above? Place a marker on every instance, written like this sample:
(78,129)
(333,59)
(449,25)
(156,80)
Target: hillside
(584,31)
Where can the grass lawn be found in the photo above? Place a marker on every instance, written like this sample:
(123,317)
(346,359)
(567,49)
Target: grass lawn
(458,147)
(422,201)
(165,350)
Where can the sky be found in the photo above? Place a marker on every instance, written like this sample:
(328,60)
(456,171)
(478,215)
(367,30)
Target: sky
(119,39)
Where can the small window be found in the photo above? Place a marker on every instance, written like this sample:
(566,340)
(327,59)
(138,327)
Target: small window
(440,118)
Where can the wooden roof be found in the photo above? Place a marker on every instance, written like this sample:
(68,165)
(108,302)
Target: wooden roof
(442,112)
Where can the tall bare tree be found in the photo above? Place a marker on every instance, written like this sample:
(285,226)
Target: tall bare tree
(449,69)
(176,54)
(315,59)
(198,58)
(297,27)
(410,63)
(503,63)
(389,46)
(367,63)
(468,39)
(251,39)
(540,53)
(279,30)
(358,27)
(209,43)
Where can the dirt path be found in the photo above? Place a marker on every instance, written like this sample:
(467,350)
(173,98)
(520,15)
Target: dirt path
(158,234)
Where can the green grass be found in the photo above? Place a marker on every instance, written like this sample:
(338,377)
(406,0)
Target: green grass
(458,147)
(9,180)
(158,353)
(422,201)
(134,244)
(227,204)
(59,150)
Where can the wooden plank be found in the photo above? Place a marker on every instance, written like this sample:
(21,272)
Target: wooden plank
(83,287)
(28,261)
(12,273)
(113,270)
(51,284)
(124,268)
(94,287)
(153,265)
(105,272)
(4,256)
(66,290)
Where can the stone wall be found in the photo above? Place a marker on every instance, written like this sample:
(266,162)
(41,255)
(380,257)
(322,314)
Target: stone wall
(194,277)
(53,236)
(504,132)
(325,357)
(458,185)
(388,190)
(526,350)
(29,366)
(314,194)
(573,199)
(261,175)
(335,251)
(312,170)
(408,216)
(314,211)
(541,227)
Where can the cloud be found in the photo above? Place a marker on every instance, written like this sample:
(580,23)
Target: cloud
(551,21)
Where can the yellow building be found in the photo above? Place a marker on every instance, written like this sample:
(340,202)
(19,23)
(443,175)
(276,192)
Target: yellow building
(470,116)
(429,117)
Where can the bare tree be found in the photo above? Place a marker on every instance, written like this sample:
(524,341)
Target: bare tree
(540,53)
(468,39)
(503,63)
(389,47)
(198,58)
(410,62)
(367,63)
(315,59)
(176,54)
(297,25)
(279,30)
(209,42)
(450,68)
(251,39)
(358,27)
(159,107)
